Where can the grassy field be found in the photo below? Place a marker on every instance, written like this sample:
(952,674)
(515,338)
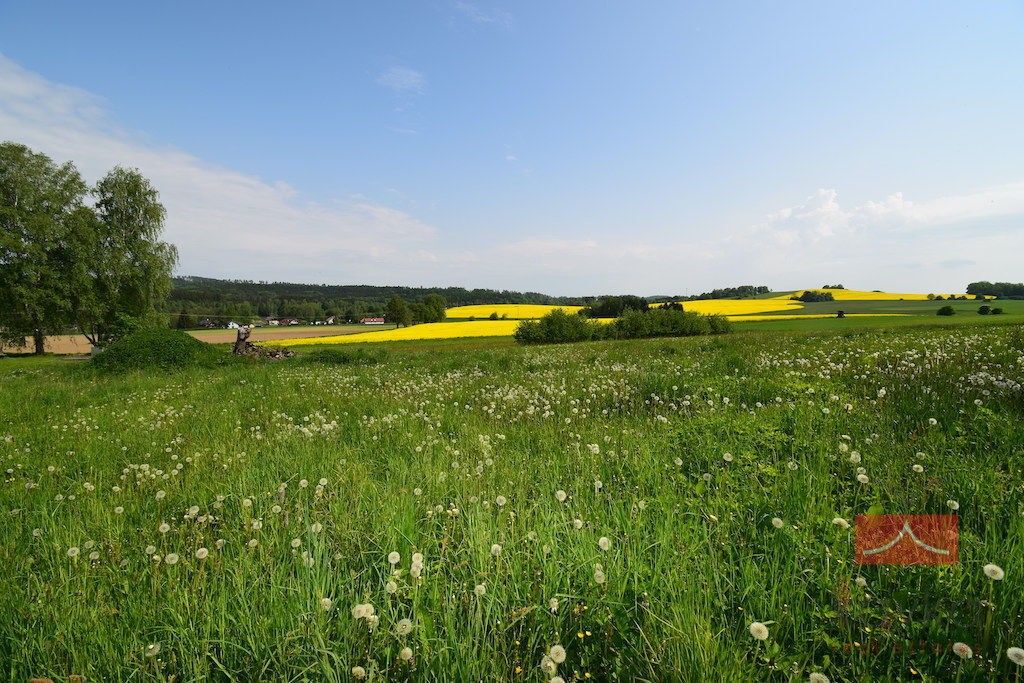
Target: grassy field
(636,504)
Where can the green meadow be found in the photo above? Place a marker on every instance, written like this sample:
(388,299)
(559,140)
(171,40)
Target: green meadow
(474,510)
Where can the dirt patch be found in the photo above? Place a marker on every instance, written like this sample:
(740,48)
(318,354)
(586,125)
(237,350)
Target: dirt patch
(64,344)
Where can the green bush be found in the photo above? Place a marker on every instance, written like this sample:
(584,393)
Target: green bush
(810,296)
(997,311)
(157,348)
(946,310)
(984,310)
(345,357)
(559,327)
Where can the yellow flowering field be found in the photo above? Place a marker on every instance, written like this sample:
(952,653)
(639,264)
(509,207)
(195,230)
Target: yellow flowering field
(739,306)
(513,311)
(446,330)
(860,295)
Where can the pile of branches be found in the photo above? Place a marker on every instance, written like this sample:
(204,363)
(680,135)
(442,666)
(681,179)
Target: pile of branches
(271,353)
(244,347)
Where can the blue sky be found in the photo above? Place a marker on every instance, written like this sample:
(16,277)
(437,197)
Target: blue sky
(655,147)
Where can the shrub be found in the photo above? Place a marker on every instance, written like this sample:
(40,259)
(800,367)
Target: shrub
(157,348)
(984,310)
(997,311)
(840,314)
(810,296)
(557,327)
(946,310)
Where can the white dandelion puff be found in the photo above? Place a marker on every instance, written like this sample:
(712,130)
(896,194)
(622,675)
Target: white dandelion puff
(994,572)
(962,650)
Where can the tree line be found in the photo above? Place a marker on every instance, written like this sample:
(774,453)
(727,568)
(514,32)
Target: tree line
(75,256)
(200,297)
(1002,290)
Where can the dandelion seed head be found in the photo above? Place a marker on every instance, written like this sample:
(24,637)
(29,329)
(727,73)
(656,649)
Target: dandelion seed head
(403,627)
(962,650)
(994,572)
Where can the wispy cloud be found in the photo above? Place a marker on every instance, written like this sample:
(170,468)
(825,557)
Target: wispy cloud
(483,15)
(224,222)
(822,217)
(402,80)
(230,223)
(907,244)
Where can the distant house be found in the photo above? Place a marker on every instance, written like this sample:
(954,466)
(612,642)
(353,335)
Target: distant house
(233,325)
(273,321)
(208,323)
(371,321)
(332,320)
(289,321)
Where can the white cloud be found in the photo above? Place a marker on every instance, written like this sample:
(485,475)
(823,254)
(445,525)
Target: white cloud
(821,217)
(402,80)
(227,223)
(893,242)
(224,222)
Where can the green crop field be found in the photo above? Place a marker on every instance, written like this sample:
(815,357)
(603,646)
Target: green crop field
(473,510)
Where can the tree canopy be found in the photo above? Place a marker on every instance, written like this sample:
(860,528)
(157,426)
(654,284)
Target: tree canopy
(64,263)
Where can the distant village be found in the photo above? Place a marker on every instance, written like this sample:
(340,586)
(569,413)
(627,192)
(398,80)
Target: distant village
(210,323)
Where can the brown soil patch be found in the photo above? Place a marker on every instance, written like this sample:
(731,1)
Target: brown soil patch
(65,344)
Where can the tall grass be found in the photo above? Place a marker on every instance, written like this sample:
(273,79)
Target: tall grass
(448,454)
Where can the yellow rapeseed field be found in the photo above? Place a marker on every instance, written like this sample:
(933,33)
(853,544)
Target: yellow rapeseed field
(739,306)
(511,311)
(860,295)
(446,330)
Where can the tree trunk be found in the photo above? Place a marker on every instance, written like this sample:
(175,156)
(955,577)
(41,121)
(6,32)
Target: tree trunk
(40,341)
(242,340)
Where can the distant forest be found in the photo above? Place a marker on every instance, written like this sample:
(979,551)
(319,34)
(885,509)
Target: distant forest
(194,299)
(1003,290)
